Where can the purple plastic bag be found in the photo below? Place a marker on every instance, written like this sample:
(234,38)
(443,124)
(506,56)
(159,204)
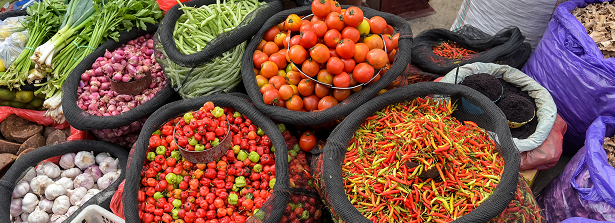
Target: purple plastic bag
(583,220)
(569,64)
(586,187)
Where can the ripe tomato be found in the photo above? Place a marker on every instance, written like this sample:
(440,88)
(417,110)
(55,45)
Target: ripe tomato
(305,26)
(310,67)
(360,53)
(325,77)
(374,42)
(348,65)
(278,59)
(306,87)
(341,94)
(351,33)
(341,80)
(326,102)
(321,90)
(266,87)
(269,69)
(362,73)
(307,39)
(282,26)
(377,58)
(333,53)
(295,103)
(345,48)
(261,45)
(377,24)
(277,81)
(297,54)
(259,59)
(294,40)
(286,92)
(316,19)
(353,16)
(293,22)
(281,103)
(320,53)
(282,73)
(320,28)
(307,141)
(335,65)
(336,7)
(279,40)
(293,77)
(271,97)
(388,30)
(332,37)
(321,8)
(334,21)
(376,78)
(310,103)
(271,33)
(392,55)
(395,41)
(261,80)
(388,43)
(270,48)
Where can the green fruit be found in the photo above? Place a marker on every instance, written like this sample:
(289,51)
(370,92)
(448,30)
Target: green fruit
(24,96)
(40,95)
(6,94)
(16,104)
(36,102)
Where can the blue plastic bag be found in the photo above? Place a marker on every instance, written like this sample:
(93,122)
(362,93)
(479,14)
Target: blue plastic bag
(586,187)
(569,64)
(583,220)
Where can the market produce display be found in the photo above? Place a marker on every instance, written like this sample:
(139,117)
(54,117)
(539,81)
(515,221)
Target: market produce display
(597,19)
(230,189)
(22,136)
(453,51)
(21,99)
(51,193)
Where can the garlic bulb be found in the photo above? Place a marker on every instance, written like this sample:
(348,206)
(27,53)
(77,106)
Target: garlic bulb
(107,180)
(84,159)
(38,216)
(71,210)
(24,216)
(109,165)
(101,156)
(21,189)
(48,169)
(29,202)
(54,190)
(61,205)
(15,207)
(94,171)
(67,161)
(71,173)
(29,175)
(84,180)
(65,182)
(77,194)
(58,218)
(91,193)
(39,184)
(45,205)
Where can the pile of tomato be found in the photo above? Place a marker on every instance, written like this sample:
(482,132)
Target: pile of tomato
(338,47)
(230,189)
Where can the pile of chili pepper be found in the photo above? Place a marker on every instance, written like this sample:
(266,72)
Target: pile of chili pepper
(452,50)
(414,162)
(417,78)
(523,207)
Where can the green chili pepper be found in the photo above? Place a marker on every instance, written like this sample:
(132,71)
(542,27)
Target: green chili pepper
(240,181)
(170,178)
(235,188)
(305,215)
(281,127)
(158,195)
(217,112)
(290,158)
(175,212)
(193,141)
(161,150)
(177,203)
(257,168)
(296,148)
(233,198)
(292,206)
(199,147)
(242,155)
(176,155)
(254,157)
(249,196)
(272,182)
(151,156)
(215,142)
(157,132)
(260,132)
(272,149)
(178,179)
(187,117)
(236,114)
(293,153)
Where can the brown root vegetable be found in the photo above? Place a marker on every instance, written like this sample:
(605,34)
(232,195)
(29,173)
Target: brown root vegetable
(24,132)
(48,130)
(56,137)
(35,141)
(8,146)
(10,124)
(6,160)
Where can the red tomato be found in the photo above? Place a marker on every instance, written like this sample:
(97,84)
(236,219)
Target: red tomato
(271,97)
(336,7)
(307,39)
(377,58)
(321,90)
(271,48)
(295,40)
(280,40)
(321,8)
(341,80)
(320,28)
(353,16)
(332,37)
(325,77)
(351,33)
(320,53)
(316,19)
(271,33)
(293,22)
(293,77)
(349,65)
(392,55)
(297,54)
(277,81)
(305,26)
(395,41)
(334,21)
(374,42)
(326,102)
(259,59)
(333,53)
(286,92)
(295,103)
(307,141)
(377,24)
(388,43)
(341,94)
(278,59)
(345,48)
(266,87)
(310,67)
(260,81)
(335,65)
(306,87)
(360,53)
(310,103)
(388,30)
(261,45)
(269,69)
(363,72)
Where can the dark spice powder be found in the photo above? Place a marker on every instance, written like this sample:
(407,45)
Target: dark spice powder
(517,108)
(528,129)
(484,83)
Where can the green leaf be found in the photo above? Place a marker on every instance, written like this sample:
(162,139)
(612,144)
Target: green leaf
(130,17)
(148,20)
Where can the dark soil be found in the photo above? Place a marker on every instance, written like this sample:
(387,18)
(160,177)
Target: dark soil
(528,129)
(486,84)
(517,108)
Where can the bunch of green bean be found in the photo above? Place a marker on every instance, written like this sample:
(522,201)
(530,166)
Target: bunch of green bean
(198,26)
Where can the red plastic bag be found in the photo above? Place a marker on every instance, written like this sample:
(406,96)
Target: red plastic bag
(165,5)
(116,201)
(547,154)
(30,115)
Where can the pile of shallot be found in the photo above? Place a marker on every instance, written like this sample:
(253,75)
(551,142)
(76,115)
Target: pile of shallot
(51,193)
(129,62)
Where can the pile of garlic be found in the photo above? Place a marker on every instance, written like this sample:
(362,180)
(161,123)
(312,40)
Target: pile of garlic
(51,193)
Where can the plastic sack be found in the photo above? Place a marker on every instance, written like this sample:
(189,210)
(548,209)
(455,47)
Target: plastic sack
(581,220)
(11,25)
(586,187)
(568,63)
(546,110)
(116,201)
(531,16)
(30,115)
(12,46)
(547,154)
(165,5)
(523,207)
